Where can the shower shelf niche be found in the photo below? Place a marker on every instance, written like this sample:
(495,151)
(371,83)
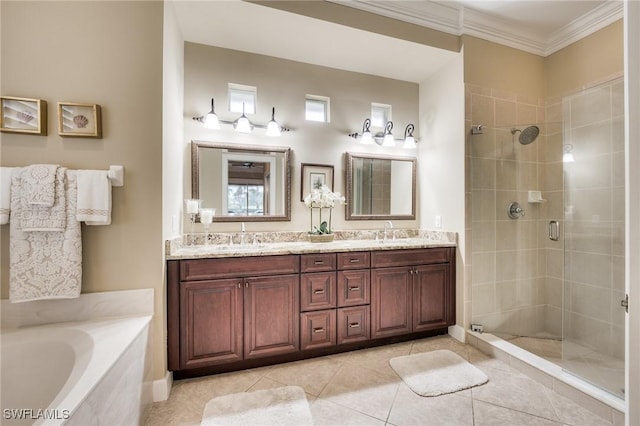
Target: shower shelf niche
(535,197)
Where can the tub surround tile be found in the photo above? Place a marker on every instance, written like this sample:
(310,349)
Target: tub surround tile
(87,307)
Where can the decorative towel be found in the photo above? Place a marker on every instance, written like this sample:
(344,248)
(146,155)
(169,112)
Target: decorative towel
(45,265)
(38,184)
(39,217)
(94,197)
(5,193)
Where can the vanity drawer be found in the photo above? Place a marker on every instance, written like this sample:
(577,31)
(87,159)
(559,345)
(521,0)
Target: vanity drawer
(354,287)
(353,324)
(317,291)
(317,262)
(317,329)
(233,267)
(390,258)
(353,260)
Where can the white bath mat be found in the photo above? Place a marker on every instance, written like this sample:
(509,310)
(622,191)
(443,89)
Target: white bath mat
(279,406)
(437,373)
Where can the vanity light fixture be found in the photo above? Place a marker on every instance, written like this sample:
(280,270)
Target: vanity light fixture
(385,138)
(567,154)
(242,124)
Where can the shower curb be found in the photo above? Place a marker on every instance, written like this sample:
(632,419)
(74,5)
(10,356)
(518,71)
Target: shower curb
(551,376)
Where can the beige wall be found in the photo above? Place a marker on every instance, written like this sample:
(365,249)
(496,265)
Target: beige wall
(503,68)
(109,53)
(284,84)
(593,59)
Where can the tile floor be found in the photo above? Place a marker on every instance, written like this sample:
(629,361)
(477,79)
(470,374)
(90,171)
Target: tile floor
(360,388)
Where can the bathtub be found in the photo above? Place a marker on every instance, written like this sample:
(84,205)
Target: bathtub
(75,373)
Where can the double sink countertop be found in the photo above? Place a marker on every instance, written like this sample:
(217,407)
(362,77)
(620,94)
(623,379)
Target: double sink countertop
(429,239)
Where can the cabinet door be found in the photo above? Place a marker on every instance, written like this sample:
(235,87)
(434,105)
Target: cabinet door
(390,302)
(318,329)
(210,323)
(317,291)
(431,304)
(353,288)
(353,324)
(271,315)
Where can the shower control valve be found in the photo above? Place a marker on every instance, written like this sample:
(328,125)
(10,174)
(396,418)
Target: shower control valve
(514,210)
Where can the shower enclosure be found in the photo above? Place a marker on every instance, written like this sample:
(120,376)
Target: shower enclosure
(547,226)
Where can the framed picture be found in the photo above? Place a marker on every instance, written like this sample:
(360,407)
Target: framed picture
(79,120)
(23,115)
(314,176)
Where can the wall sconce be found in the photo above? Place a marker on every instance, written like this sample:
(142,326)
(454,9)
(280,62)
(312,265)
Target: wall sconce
(385,138)
(242,124)
(567,154)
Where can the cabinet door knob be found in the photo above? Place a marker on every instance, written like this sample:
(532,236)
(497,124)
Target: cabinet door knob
(354,288)
(246,284)
(318,291)
(354,325)
(318,330)
(239,285)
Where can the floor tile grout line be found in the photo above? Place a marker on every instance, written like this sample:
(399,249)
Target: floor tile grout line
(524,412)
(393,401)
(331,379)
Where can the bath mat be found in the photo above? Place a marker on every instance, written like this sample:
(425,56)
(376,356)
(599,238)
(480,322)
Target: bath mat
(437,373)
(279,406)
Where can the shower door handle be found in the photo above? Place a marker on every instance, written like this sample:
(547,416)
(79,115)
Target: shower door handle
(554,230)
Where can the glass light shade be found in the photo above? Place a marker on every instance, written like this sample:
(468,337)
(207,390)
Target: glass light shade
(211,122)
(388,140)
(366,139)
(409,143)
(192,206)
(273,128)
(243,125)
(567,157)
(206,216)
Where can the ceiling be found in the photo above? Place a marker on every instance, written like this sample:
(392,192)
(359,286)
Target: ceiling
(536,26)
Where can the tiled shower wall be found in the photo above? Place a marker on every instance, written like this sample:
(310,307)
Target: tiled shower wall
(508,258)
(594,213)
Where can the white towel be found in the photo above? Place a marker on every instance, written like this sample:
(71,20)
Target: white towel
(94,197)
(45,265)
(5,193)
(40,217)
(39,184)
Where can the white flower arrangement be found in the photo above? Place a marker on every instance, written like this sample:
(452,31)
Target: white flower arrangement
(322,198)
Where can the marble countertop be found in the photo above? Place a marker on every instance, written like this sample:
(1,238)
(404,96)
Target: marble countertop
(275,248)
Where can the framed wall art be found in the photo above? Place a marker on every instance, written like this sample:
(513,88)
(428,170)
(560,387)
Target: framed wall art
(23,115)
(314,176)
(79,120)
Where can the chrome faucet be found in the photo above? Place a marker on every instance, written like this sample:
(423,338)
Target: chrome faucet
(243,234)
(387,225)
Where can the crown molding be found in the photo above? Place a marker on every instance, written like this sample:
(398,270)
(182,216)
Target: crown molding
(587,24)
(453,18)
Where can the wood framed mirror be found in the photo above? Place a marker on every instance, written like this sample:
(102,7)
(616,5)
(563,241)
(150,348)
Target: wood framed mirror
(380,187)
(244,183)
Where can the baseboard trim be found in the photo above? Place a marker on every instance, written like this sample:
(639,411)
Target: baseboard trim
(458,333)
(162,387)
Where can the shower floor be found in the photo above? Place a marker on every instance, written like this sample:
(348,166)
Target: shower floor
(601,370)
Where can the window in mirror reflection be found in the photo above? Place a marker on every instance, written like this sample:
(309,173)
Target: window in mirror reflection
(245,200)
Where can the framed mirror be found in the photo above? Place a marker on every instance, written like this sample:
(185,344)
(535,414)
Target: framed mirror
(380,187)
(244,183)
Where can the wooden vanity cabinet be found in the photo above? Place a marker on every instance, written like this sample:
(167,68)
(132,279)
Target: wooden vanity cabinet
(412,291)
(233,309)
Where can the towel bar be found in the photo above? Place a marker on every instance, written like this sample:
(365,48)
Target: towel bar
(116,175)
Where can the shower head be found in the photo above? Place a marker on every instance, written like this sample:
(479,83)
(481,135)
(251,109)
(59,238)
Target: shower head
(527,135)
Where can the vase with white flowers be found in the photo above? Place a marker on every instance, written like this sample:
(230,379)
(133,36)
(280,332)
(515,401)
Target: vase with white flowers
(322,198)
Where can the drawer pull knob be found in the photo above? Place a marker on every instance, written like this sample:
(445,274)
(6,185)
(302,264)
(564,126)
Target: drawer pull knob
(318,330)
(239,285)
(318,262)
(318,291)
(354,288)
(354,325)
(354,260)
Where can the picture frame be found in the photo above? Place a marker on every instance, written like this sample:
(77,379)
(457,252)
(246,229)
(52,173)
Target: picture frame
(23,115)
(79,120)
(314,175)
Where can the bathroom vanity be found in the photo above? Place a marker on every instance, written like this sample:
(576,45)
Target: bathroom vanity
(247,308)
